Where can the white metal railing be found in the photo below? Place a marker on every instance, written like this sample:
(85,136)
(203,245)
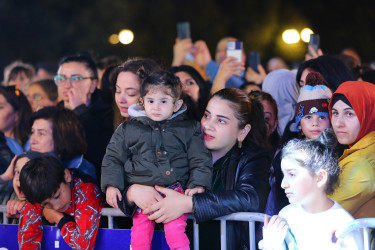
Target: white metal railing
(251,218)
(3,210)
(362,225)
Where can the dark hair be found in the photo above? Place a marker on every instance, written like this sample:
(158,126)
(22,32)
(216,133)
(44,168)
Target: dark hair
(140,67)
(48,86)
(352,64)
(106,84)
(274,138)
(368,76)
(107,61)
(20,104)
(247,111)
(194,110)
(83,58)
(29,72)
(41,178)
(164,79)
(67,131)
(331,68)
(246,84)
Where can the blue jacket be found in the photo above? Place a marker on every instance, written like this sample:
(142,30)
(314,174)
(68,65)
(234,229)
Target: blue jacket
(82,164)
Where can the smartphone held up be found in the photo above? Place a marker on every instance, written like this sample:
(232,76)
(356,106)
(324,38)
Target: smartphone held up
(183,30)
(314,43)
(254,60)
(234,49)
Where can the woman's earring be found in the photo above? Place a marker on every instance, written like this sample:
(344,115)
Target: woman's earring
(239,144)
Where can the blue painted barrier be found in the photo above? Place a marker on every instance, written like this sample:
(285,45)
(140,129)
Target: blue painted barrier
(113,238)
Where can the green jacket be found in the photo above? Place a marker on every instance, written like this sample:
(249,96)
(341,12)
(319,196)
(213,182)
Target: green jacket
(152,153)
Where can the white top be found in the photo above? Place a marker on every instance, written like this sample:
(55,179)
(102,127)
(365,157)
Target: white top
(314,230)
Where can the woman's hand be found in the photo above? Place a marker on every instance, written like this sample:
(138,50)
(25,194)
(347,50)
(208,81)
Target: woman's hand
(112,194)
(274,232)
(252,76)
(201,54)
(143,196)
(76,97)
(14,207)
(314,53)
(171,207)
(180,49)
(8,174)
(229,67)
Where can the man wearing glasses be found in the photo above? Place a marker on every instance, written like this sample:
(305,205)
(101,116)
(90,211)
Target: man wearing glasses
(77,82)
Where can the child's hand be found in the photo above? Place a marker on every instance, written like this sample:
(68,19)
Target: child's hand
(14,207)
(274,232)
(112,194)
(192,191)
(52,215)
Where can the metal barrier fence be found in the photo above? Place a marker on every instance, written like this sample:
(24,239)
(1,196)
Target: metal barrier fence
(251,218)
(364,225)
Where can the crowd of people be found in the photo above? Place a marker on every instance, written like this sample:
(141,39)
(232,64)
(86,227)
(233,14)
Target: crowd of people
(207,137)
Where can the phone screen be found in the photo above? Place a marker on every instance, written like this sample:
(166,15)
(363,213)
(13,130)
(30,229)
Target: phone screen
(183,30)
(254,60)
(234,48)
(314,42)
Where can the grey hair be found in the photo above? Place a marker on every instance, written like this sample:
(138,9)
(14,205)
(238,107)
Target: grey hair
(316,155)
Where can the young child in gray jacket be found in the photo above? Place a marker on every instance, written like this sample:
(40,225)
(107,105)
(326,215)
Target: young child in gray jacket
(159,145)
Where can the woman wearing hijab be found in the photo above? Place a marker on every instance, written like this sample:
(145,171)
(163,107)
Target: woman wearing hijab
(352,112)
(282,86)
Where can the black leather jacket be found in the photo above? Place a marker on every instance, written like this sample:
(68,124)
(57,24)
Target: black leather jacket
(6,154)
(246,188)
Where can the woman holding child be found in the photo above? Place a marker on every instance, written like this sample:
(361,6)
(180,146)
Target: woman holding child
(234,132)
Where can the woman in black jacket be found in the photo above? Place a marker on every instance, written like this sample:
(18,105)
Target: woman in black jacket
(235,133)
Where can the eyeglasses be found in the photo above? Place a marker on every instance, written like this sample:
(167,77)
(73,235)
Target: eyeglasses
(35,97)
(59,79)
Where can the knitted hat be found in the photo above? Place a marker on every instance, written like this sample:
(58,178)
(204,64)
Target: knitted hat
(313,99)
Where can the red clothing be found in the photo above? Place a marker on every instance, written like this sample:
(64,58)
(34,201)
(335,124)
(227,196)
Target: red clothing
(79,225)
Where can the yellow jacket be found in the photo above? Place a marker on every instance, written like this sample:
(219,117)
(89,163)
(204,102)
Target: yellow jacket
(356,192)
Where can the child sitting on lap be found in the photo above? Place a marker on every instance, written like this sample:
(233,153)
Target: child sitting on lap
(157,146)
(310,173)
(64,197)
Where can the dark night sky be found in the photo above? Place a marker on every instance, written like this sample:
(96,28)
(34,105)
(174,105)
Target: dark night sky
(46,30)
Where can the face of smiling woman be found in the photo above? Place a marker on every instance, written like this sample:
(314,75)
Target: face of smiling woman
(127,91)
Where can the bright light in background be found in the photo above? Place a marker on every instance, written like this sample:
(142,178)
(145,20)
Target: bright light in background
(113,39)
(291,36)
(126,36)
(305,34)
